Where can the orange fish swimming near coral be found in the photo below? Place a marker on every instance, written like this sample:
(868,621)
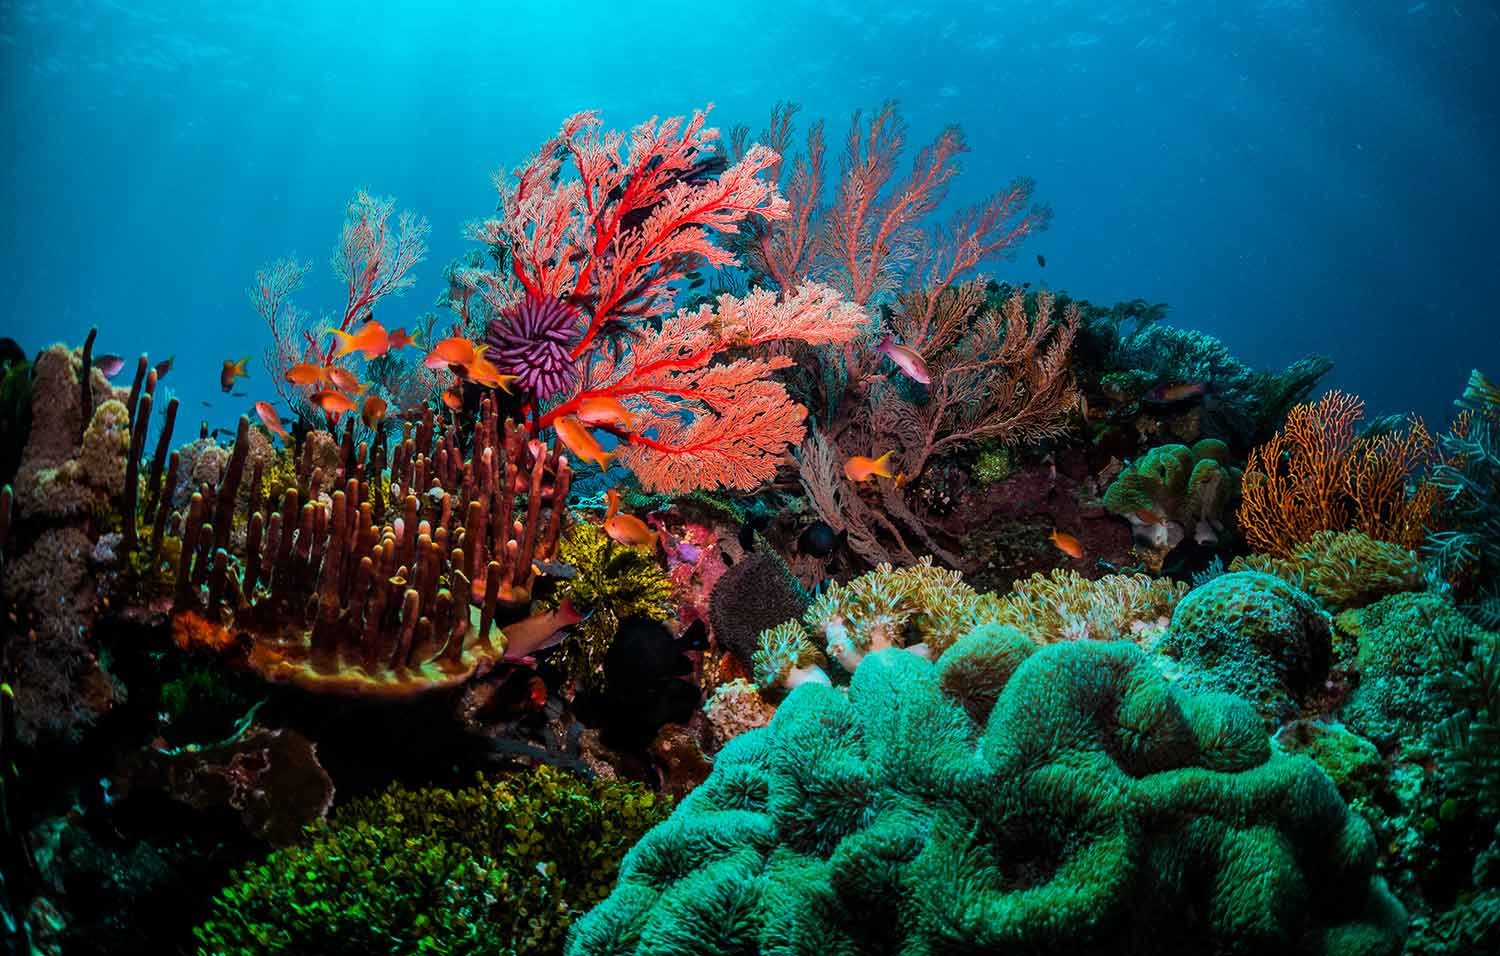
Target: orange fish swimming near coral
(908,360)
(332,402)
(372,410)
(371,339)
(455,351)
(581,442)
(306,373)
(602,410)
(481,371)
(454,398)
(860,468)
(626,529)
(400,340)
(1066,543)
(268,417)
(342,378)
(231,372)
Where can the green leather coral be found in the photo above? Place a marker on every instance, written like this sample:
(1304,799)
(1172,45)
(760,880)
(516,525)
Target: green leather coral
(1173,490)
(498,868)
(1253,635)
(1089,807)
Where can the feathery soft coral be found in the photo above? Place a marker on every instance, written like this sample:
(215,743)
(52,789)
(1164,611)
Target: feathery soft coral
(614,239)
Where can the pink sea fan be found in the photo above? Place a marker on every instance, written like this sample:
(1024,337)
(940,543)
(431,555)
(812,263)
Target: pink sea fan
(533,339)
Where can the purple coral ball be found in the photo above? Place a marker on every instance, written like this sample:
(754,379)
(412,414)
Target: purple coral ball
(531,340)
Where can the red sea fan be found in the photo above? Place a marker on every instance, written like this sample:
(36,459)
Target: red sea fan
(533,340)
(613,223)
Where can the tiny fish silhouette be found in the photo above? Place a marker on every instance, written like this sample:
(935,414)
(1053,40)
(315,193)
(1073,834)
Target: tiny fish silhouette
(1041,260)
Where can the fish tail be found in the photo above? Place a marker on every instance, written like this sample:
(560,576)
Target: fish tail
(239,367)
(882,465)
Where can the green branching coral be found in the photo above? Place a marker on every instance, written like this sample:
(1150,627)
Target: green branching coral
(992,465)
(498,868)
(1252,635)
(611,583)
(1173,491)
(1063,605)
(1343,569)
(1091,807)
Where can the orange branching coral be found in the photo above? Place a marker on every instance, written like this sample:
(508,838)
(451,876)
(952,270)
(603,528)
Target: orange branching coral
(1319,474)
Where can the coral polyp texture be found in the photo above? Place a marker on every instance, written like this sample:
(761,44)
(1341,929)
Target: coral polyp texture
(1093,808)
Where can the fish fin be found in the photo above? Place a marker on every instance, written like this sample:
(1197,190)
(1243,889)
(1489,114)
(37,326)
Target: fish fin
(882,465)
(239,368)
(504,383)
(613,497)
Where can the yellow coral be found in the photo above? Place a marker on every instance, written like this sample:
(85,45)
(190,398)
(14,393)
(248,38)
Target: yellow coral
(1064,606)
(611,583)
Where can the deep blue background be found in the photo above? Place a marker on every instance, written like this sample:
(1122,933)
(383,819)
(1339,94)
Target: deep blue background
(1290,176)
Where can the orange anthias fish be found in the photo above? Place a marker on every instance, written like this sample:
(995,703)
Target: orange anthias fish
(482,371)
(454,398)
(626,529)
(1177,393)
(372,411)
(400,340)
(581,442)
(268,417)
(906,359)
(306,373)
(1066,543)
(232,371)
(604,410)
(342,378)
(332,402)
(371,339)
(860,468)
(450,352)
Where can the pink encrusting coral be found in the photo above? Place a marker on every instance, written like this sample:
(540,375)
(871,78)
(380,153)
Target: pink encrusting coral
(614,239)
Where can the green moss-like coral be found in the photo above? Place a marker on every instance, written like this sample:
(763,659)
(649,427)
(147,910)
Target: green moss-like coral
(1174,490)
(498,868)
(1402,639)
(1092,808)
(611,583)
(1253,635)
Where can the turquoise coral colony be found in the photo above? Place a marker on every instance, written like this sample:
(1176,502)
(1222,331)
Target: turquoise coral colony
(725,566)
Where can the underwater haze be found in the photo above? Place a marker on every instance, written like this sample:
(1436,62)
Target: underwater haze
(1292,177)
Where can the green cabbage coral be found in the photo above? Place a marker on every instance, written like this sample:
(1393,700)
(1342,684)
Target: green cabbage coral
(498,868)
(611,583)
(1173,490)
(1087,807)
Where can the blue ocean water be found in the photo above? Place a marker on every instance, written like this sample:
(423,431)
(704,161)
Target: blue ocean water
(1292,177)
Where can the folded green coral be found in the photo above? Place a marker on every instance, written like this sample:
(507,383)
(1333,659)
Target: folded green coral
(1087,805)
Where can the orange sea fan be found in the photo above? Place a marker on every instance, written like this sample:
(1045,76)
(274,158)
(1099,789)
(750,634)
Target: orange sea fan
(1318,474)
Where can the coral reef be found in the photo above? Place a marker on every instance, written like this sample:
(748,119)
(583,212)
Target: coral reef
(1095,808)
(501,867)
(59,476)
(734,708)
(1467,549)
(1064,606)
(1252,635)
